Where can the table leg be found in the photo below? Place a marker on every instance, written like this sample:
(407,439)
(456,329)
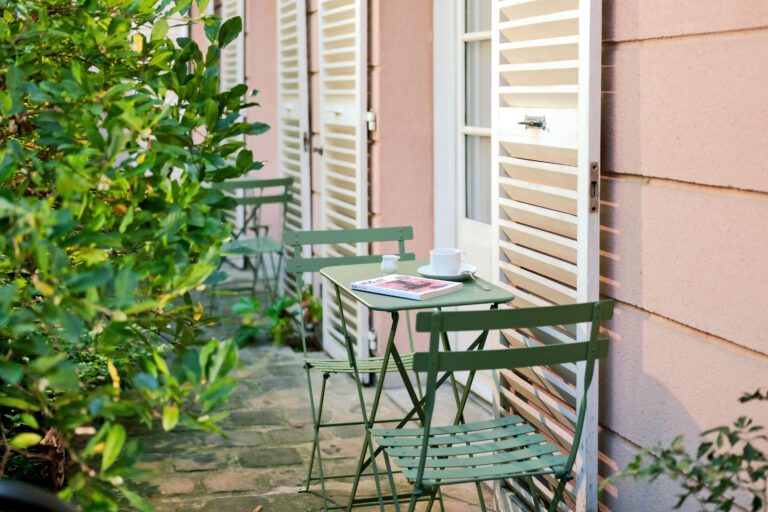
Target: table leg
(390,352)
(353,362)
(362,463)
(413,349)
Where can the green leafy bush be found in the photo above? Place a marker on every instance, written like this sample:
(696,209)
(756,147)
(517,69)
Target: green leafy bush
(280,315)
(109,132)
(730,461)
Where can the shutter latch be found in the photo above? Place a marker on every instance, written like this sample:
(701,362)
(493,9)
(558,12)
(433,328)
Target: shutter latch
(370,118)
(594,186)
(305,140)
(534,122)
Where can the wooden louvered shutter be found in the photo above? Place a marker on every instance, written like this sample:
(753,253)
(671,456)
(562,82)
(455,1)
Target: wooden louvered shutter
(343,50)
(546,67)
(232,68)
(293,130)
(177,29)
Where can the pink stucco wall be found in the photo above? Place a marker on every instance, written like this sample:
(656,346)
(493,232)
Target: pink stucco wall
(400,84)
(261,74)
(684,238)
(260,29)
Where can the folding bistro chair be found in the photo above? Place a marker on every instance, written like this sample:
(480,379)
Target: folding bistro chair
(505,447)
(328,367)
(255,193)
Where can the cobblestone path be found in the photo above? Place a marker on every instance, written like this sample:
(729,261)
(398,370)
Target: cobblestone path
(263,458)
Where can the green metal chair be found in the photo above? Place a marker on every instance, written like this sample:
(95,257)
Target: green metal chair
(251,195)
(505,447)
(299,264)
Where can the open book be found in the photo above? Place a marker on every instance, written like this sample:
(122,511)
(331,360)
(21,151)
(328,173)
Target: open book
(407,287)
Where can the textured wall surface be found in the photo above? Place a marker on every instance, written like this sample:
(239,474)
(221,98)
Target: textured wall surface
(261,73)
(684,237)
(400,85)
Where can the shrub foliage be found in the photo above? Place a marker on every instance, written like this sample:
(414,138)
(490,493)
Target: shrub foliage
(728,471)
(109,132)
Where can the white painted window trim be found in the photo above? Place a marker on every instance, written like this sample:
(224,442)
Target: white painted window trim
(445,121)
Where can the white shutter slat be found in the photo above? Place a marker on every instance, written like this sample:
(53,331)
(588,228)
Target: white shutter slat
(343,50)
(293,119)
(542,241)
(232,72)
(546,64)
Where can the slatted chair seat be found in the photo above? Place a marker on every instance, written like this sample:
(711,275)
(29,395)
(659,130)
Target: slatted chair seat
(369,365)
(484,450)
(261,245)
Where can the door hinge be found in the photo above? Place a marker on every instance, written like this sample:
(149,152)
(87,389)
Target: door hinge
(370,118)
(305,141)
(594,187)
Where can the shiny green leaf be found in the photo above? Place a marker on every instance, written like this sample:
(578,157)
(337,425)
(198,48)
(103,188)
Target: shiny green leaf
(112,446)
(170,417)
(25,440)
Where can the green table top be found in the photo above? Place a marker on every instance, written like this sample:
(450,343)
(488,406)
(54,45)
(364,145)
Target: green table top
(344,275)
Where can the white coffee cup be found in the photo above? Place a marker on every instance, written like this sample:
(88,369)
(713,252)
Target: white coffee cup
(446,261)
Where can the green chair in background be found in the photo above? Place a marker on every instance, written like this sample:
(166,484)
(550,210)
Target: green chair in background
(501,448)
(327,367)
(260,250)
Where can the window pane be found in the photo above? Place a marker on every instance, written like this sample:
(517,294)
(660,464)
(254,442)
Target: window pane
(477,84)
(478,177)
(477,15)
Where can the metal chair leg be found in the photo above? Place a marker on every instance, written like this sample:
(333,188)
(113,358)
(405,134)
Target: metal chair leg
(431,500)
(315,423)
(534,494)
(316,440)
(480,497)
(392,486)
(440,499)
(558,494)
(414,499)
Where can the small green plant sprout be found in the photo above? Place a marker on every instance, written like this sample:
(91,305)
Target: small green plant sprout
(313,308)
(730,464)
(280,315)
(249,310)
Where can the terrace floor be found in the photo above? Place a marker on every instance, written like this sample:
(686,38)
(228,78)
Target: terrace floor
(263,458)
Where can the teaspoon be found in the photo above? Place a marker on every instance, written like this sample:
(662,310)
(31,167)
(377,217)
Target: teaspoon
(475,279)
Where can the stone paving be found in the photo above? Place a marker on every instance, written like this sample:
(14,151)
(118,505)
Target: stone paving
(263,458)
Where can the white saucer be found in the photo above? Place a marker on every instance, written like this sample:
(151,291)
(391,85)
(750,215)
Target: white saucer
(427,271)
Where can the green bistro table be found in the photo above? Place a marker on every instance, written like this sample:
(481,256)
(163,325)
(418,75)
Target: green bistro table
(341,277)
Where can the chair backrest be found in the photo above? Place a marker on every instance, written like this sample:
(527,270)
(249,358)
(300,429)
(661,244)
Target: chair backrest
(260,185)
(256,193)
(437,323)
(299,239)
(299,264)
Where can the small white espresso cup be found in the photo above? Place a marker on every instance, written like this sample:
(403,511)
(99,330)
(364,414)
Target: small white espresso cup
(446,261)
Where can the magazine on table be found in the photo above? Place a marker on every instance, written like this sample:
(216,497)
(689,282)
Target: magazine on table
(407,287)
